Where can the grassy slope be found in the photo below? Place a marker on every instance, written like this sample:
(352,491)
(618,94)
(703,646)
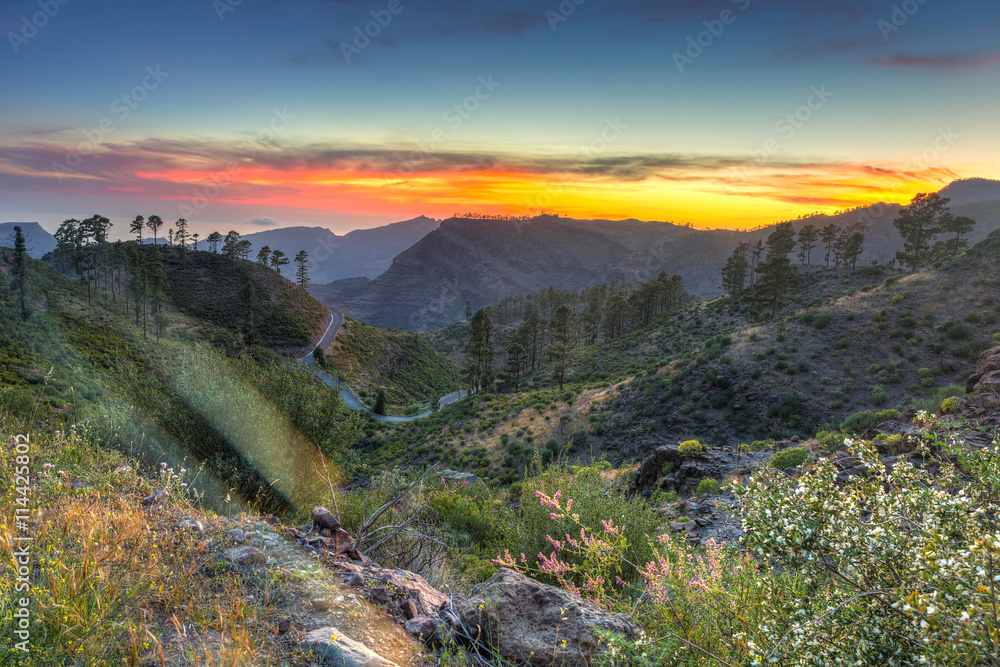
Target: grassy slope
(198,398)
(411,372)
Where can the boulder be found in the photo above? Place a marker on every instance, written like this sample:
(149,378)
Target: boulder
(157,498)
(528,622)
(245,556)
(989,361)
(335,649)
(323,519)
(320,604)
(989,383)
(423,627)
(193,525)
(236,536)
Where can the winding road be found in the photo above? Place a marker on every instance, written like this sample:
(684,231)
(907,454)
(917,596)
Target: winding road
(346,393)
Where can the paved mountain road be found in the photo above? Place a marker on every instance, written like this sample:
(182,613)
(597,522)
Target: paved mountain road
(346,394)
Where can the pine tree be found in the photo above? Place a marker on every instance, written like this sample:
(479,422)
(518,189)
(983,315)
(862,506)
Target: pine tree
(479,350)
(302,273)
(561,329)
(136,228)
(181,238)
(153,224)
(850,244)
(20,271)
(778,277)
(213,240)
(379,408)
(512,370)
(264,255)
(828,236)
(807,241)
(278,260)
(156,279)
(230,246)
(736,270)
(918,224)
(957,225)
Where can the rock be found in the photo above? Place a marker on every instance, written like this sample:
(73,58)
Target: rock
(323,519)
(123,468)
(354,580)
(236,536)
(284,625)
(77,484)
(272,520)
(245,556)
(335,649)
(423,627)
(157,498)
(379,594)
(527,622)
(190,524)
(989,383)
(456,477)
(409,609)
(989,361)
(320,604)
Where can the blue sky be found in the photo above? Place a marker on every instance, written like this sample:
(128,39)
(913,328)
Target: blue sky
(895,76)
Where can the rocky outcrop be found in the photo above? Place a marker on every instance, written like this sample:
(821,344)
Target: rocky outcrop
(987,371)
(528,622)
(666,468)
(336,649)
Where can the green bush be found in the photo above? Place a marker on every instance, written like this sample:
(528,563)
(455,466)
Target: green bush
(709,486)
(959,331)
(951,406)
(789,458)
(879,395)
(859,422)
(690,447)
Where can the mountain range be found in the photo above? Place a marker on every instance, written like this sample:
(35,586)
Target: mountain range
(482,261)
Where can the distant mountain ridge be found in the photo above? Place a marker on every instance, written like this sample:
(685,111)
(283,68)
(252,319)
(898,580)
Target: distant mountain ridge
(483,261)
(37,239)
(360,253)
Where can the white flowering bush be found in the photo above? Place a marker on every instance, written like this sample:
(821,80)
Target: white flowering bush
(900,566)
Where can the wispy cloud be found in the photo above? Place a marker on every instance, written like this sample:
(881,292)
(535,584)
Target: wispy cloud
(263,222)
(952,60)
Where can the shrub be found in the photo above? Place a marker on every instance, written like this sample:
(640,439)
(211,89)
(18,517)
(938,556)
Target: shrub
(822,320)
(690,447)
(859,422)
(709,486)
(789,458)
(897,299)
(886,415)
(879,395)
(951,406)
(959,331)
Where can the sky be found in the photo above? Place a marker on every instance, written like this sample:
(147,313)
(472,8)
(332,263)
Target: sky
(256,114)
